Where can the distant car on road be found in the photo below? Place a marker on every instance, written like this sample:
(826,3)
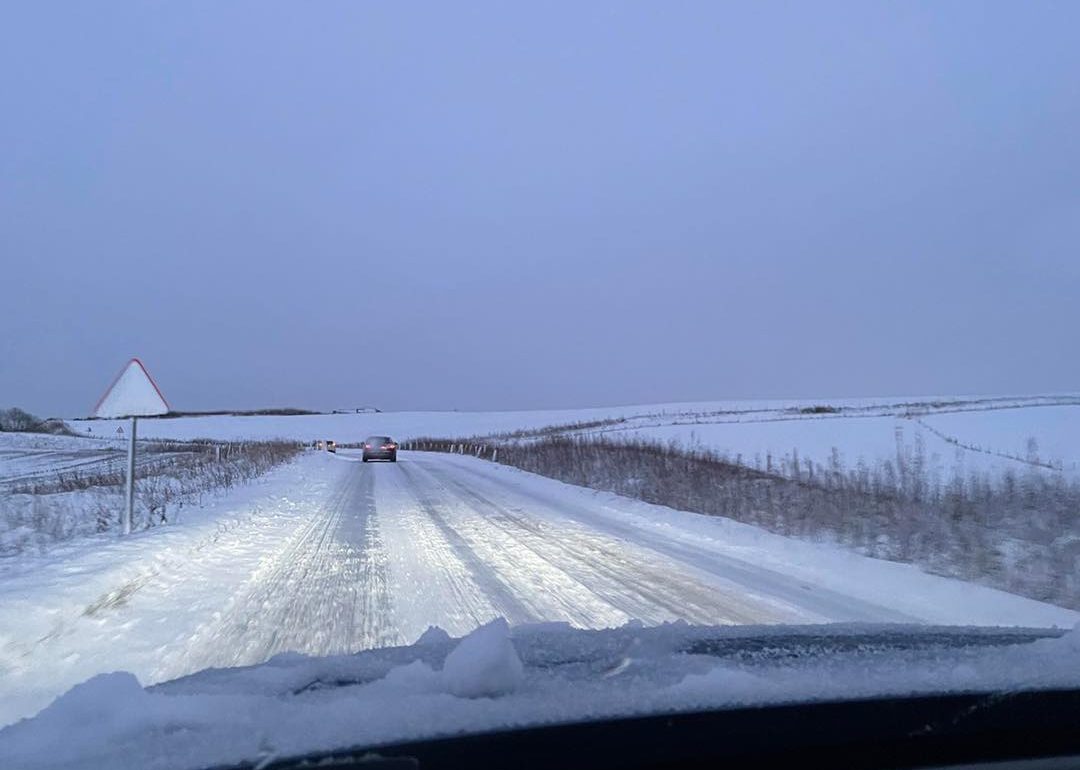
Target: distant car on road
(380,448)
(331,446)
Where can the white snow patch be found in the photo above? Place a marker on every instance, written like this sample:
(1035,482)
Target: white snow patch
(106,708)
(722,682)
(484,664)
(412,679)
(222,717)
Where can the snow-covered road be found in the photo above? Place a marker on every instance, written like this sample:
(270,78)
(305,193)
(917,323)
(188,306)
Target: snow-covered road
(331,555)
(435,540)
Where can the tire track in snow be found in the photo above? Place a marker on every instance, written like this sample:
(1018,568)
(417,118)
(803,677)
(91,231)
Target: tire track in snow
(629,579)
(547,593)
(499,593)
(823,603)
(325,592)
(431,584)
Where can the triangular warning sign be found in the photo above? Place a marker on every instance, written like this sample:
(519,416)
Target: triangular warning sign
(132,394)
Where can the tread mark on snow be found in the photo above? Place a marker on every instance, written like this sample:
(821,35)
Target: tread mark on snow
(326,592)
(828,603)
(641,587)
(505,601)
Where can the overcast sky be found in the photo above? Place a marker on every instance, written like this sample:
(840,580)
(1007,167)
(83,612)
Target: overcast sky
(511,205)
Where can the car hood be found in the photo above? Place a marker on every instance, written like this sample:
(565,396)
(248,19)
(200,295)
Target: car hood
(499,678)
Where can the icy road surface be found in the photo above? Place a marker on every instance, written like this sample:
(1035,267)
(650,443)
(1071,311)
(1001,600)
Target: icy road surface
(330,555)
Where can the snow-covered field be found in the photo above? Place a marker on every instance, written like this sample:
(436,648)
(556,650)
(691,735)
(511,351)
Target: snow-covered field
(29,455)
(965,433)
(328,555)
(26,457)
(55,488)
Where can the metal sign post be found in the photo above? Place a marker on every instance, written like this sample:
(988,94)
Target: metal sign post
(129,490)
(133,394)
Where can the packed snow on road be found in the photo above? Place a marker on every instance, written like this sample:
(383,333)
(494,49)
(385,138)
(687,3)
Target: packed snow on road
(327,555)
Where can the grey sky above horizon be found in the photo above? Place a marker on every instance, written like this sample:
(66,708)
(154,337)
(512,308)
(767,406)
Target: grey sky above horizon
(496,205)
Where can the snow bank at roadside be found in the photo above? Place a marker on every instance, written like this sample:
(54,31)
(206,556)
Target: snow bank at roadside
(100,603)
(484,665)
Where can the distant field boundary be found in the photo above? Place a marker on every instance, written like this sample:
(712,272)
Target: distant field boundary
(281,411)
(271,412)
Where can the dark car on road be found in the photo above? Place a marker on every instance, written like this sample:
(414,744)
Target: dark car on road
(380,448)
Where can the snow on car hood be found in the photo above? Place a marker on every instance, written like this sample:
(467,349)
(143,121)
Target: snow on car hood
(498,678)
